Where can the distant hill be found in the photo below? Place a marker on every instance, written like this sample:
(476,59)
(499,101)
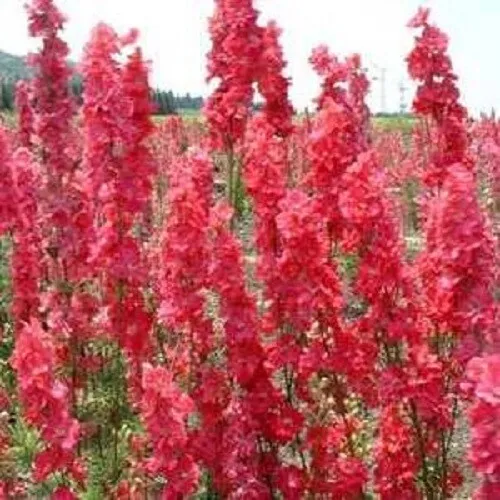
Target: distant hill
(13,67)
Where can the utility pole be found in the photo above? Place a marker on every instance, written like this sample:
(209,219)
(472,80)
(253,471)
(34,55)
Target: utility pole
(402,100)
(383,95)
(382,78)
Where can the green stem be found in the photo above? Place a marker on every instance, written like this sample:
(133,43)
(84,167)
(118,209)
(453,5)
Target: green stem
(421,451)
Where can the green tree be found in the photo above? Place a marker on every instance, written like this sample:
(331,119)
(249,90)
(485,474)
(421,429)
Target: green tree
(7,95)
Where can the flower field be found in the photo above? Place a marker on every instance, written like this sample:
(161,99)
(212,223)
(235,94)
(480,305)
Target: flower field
(249,304)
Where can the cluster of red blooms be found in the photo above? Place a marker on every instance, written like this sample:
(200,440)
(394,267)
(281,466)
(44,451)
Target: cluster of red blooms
(456,269)
(486,153)
(243,54)
(45,403)
(236,45)
(165,410)
(484,417)
(437,98)
(258,374)
(119,169)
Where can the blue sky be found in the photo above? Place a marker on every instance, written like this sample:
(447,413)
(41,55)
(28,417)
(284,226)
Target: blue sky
(174,37)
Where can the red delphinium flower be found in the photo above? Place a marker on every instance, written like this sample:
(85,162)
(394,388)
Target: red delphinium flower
(242,461)
(165,410)
(64,218)
(333,72)
(335,472)
(129,194)
(298,162)
(437,98)
(272,84)
(45,403)
(54,107)
(119,170)
(24,108)
(245,473)
(372,230)
(63,493)
(412,380)
(63,208)
(264,172)
(308,286)
(484,418)
(330,152)
(18,215)
(169,140)
(456,268)
(403,166)
(265,153)
(338,131)
(425,378)
(358,87)
(113,144)
(457,264)
(258,413)
(456,273)
(347,85)
(183,283)
(137,188)
(418,386)
(236,49)
(184,252)
(487,491)
(486,150)
(423,137)
(103,137)
(237,306)
(212,396)
(310,305)
(425,388)
(7,208)
(26,257)
(391,153)
(8,481)
(126,490)
(397,465)
(111,91)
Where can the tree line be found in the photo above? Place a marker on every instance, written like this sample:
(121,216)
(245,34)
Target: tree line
(164,102)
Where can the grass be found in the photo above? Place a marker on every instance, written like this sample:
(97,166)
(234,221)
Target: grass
(7,118)
(388,123)
(403,124)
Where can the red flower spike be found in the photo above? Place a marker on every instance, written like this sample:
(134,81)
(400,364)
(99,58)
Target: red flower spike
(272,84)
(165,411)
(437,99)
(45,401)
(24,109)
(236,46)
(484,418)
(119,168)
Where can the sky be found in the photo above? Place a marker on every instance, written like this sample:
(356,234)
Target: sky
(174,38)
